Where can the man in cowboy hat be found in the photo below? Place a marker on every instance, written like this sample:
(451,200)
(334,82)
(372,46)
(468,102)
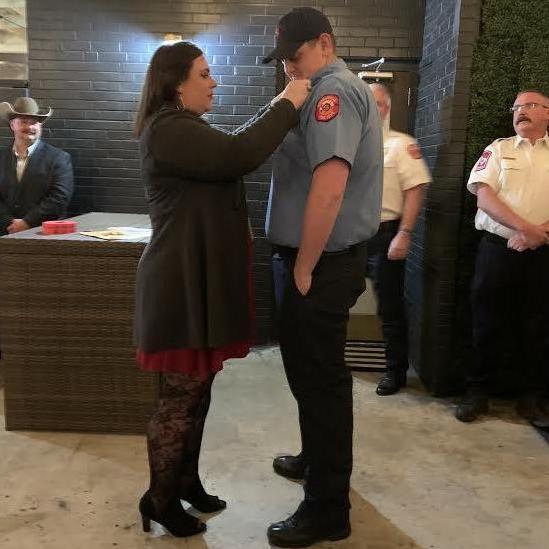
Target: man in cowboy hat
(36,179)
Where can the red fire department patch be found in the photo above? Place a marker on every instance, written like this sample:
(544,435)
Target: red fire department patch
(483,161)
(414,151)
(327,108)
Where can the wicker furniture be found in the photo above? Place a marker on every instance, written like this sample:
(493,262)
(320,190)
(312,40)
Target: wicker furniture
(66,312)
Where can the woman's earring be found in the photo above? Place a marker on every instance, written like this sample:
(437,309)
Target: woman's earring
(181,105)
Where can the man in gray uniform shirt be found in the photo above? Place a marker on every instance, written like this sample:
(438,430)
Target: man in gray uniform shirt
(324,204)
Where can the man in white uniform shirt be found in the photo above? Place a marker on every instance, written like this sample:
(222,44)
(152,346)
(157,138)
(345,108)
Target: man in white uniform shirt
(510,291)
(405,175)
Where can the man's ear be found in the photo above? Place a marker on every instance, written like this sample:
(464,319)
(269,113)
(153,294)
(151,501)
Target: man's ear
(326,42)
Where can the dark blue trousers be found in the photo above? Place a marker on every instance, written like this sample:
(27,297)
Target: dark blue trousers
(388,280)
(312,338)
(510,305)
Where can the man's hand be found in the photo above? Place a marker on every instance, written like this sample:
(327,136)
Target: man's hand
(529,238)
(303,281)
(517,243)
(17,225)
(400,246)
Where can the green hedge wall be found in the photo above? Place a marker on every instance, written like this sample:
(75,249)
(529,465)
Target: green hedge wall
(511,54)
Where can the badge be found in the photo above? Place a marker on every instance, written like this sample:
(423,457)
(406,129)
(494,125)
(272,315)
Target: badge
(483,161)
(414,151)
(327,108)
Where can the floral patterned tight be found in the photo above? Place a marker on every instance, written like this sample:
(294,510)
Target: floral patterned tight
(174,437)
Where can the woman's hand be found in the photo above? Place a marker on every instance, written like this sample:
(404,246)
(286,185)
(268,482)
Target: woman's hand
(296,91)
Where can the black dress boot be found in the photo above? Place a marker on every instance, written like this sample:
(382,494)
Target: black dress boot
(391,382)
(173,518)
(305,528)
(292,467)
(473,404)
(201,500)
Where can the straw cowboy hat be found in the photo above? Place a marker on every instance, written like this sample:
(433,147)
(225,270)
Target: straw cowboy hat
(23,106)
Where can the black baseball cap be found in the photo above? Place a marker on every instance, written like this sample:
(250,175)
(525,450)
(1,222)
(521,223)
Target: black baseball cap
(294,29)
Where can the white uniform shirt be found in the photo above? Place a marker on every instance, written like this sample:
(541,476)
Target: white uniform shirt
(518,172)
(403,169)
(22,160)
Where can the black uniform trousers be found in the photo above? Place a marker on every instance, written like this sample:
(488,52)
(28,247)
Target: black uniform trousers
(312,334)
(510,305)
(388,279)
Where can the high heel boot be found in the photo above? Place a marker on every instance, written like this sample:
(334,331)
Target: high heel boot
(173,518)
(201,500)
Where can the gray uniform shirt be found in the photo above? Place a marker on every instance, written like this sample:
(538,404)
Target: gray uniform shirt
(339,120)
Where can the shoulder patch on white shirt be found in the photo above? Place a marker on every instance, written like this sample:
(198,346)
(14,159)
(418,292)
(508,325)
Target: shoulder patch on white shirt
(414,151)
(483,161)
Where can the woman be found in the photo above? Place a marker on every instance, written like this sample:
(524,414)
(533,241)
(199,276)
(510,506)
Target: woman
(192,295)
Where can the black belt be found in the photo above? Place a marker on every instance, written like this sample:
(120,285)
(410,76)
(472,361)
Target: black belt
(389,226)
(495,239)
(500,241)
(286,251)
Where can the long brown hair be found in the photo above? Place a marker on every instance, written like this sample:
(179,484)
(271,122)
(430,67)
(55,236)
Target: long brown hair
(169,66)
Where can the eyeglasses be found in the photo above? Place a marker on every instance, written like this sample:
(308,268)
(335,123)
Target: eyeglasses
(527,107)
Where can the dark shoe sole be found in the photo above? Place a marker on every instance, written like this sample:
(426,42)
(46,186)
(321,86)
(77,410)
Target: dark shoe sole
(466,419)
(472,417)
(333,537)
(146,523)
(384,392)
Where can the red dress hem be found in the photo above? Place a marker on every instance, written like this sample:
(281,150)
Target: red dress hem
(202,363)
(199,363)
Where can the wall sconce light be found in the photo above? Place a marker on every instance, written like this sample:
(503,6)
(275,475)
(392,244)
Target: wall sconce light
(171,38)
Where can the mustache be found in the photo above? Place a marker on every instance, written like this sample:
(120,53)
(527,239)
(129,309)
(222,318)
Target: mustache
(523,118)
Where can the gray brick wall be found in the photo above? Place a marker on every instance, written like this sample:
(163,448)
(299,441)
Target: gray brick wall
(87,60)
(451,28)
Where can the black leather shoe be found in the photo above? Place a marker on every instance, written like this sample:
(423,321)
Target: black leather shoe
(290,466)
(541,418)
(304,528)
(391,383)
(474,404)
(529,406)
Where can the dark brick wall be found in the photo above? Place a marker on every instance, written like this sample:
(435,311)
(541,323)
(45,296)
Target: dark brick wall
(87,60)
(451,28)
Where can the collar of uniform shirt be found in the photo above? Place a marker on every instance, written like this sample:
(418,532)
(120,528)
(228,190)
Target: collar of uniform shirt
(336,66)
(30,150)
(519,140)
